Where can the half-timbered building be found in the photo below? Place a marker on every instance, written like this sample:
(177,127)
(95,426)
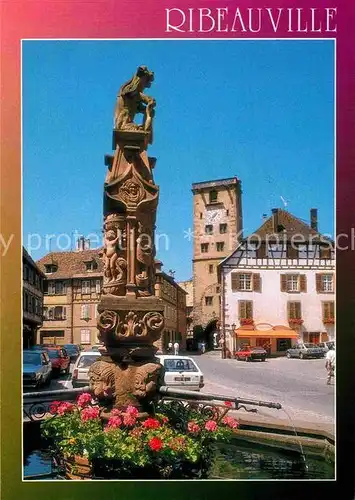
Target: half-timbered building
(278,286)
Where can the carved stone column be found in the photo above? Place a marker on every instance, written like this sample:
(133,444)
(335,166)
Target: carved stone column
(130,316)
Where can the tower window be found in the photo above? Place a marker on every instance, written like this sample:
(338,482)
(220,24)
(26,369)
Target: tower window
(204,247)
(220,246)
(208,301)
(213,196)
(210,268)
(223,228)
(209,229)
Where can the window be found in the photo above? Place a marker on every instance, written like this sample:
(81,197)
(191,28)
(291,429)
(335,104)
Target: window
(209,229)
(245,309)
(227,213)
(218,289)
(210,268)
(85,287)
(220,246)
(246,282)
(59,288)
(85,311)
(213,196)
(324,252)
(223,228)
(59,313)
(48,287)
(324,283)
(328,311)
(91,265)
(98,286)
(200,215)
(293,283)
(25,273)
(208,301)
(85,337)
(45,313)
(294,310)
(25,302)
(204,247)
(50,268)
(283,344)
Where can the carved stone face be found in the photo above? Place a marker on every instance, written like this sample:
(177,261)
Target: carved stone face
(110,234)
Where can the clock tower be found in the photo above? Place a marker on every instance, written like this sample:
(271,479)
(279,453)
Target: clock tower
(217,229)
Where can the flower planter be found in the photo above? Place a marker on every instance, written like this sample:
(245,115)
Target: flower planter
(77,467)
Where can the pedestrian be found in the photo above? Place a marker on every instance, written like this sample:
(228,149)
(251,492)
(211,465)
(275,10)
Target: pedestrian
(203,347)
(170,347)
(330,363)
(176,348)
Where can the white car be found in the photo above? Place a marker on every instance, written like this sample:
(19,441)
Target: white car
(80,375)
(181,372)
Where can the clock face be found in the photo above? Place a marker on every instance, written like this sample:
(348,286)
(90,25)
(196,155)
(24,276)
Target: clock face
(213,216)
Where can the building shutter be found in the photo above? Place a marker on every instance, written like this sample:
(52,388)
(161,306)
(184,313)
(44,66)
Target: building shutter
(256,282)
(242,309)
(326,310)
(235,282)
(303,283)
(331,309)
(283,283)
(318,282)
(290,310)
(298,310)
(249,309)
(64,309)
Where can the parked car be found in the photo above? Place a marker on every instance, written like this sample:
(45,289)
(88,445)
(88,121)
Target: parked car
(326,345)
(60,360)
(36,368)
(181,372)
(80,375)
(96,347)
(248,353)
(73,351)
(307,350)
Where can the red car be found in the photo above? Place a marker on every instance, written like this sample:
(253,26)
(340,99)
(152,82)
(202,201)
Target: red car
(250,353)
(59,359)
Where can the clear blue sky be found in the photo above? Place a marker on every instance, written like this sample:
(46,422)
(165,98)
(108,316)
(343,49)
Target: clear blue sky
(260,110)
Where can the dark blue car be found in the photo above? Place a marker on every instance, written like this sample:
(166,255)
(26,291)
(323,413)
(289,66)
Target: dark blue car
(36,368)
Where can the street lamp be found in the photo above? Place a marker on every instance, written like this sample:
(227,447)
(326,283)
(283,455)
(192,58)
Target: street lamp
(233,330)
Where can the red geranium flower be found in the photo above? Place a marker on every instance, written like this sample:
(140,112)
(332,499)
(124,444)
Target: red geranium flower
(53,407)
(90,413)
(155,444)
(193,427)
(151,423)
(231,422)
(84,399)
(114,422)
(129,419)
(132,410)
(115,412)
(228,403)
(65,408)
(211,426)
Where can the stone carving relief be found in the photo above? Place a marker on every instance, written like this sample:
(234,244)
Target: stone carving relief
(115,264)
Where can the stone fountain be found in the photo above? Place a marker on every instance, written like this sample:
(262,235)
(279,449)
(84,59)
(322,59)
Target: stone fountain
(130,315)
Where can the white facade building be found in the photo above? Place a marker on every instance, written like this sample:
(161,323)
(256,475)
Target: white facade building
(278,286)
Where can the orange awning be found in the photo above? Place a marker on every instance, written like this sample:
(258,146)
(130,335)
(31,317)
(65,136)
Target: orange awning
(267,334)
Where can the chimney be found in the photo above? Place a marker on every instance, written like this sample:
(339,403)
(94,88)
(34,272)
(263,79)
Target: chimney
(158,265)
(82,244)
(314,219)
(275,219)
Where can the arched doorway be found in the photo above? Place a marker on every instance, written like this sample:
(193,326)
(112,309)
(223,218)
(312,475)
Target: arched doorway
(211,334)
